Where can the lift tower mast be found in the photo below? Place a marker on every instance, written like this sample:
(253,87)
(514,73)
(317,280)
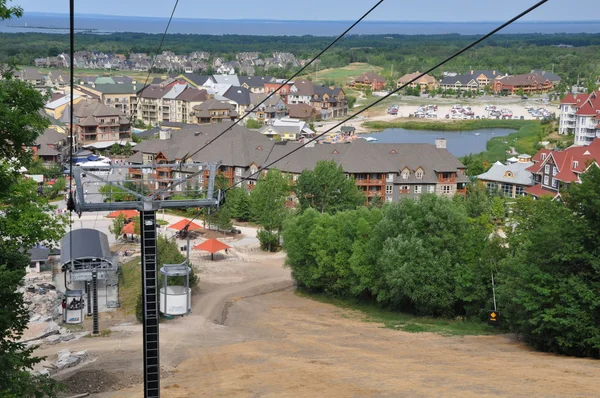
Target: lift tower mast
(164,193)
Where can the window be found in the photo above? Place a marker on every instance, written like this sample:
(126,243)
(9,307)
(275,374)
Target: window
(575,164)
(253,169)
(238,171)
(431,189)
(404,189)
(554,183)
(389,189)
(554,171)
(546,180)
(405,174)
(419,174)
(417,189)
(388,199)
(295,177)
(547,169)
(507,190)
(519,191)
(447,189)
(390,177)
(492,187)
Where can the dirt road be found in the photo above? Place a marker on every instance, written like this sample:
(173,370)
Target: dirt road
(250,335)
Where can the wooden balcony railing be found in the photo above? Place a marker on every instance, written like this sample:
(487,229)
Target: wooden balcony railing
(374,193)
(447,179)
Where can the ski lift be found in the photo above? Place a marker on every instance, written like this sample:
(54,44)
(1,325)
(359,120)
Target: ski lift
(73,305)
(176,299)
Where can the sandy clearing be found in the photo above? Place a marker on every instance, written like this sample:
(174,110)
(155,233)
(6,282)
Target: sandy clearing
(255,337)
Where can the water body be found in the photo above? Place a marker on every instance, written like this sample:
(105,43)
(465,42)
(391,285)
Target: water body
(110,24)
(459,143)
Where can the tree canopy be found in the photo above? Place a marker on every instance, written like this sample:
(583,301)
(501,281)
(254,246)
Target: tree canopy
(327,189)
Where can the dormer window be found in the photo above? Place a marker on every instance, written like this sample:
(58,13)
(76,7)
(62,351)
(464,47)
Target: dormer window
(405,174)
(509,174)
(335,152)
(419,174)
(575,164)
(259,148)
(543,156)
(393,152)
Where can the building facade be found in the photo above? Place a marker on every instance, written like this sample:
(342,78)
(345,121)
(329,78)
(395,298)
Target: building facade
(580,116)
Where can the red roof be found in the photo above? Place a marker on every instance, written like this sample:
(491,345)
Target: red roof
(539,191)
(125,213)
(538,156)
(212,246)
(181,225)
(128,229)
(586,110)
(569,99)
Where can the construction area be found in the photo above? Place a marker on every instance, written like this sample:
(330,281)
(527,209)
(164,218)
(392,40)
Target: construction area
(249,334)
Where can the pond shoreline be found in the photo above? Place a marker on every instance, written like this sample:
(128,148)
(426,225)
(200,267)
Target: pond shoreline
(447,126)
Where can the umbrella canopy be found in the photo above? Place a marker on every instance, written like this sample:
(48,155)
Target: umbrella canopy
(128,229)
(125,213)
(181,225)
(212,246)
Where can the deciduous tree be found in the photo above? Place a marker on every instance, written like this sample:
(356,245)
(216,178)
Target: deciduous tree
(327,189)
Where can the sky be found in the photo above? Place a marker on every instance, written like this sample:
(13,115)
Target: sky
(389,10)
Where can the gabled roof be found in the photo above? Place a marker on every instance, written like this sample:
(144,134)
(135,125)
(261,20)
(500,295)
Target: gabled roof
(196,80)
(515,173)
(112,88)
(254,81)
(239,95)
(370,77)
(227,79)
(409,76)
(153,92)
(569,99)
(301,111)
(586,110)
(50,136)
(304,87)
(193,95)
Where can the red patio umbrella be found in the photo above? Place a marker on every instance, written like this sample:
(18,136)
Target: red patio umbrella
(181,225)
(126,213)
(212,246)
(128,229)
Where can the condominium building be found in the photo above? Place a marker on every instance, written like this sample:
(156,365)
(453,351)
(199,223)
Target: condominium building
(580,115)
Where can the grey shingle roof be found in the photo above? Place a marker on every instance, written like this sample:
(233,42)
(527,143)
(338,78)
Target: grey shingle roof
(241,147)
(239,95)
(254,81)
(514,173)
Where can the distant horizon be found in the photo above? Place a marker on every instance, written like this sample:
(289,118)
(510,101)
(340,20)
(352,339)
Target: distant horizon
(566,21)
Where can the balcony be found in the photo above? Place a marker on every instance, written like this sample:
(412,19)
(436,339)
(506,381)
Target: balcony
(446,180)
(404,191)
(371,194)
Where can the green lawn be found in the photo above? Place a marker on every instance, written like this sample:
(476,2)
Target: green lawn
(342,75)
(401,321)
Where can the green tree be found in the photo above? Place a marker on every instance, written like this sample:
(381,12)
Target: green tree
(351,101)
(520,92)
(239,204)
(498,209)
(327,189)
(548,290)
(117,226)
(268,205)
(224,218)
(26,220)
(253,123)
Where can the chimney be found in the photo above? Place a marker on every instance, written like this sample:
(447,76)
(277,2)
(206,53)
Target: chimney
(494,73)
(440,143)
(164,135)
